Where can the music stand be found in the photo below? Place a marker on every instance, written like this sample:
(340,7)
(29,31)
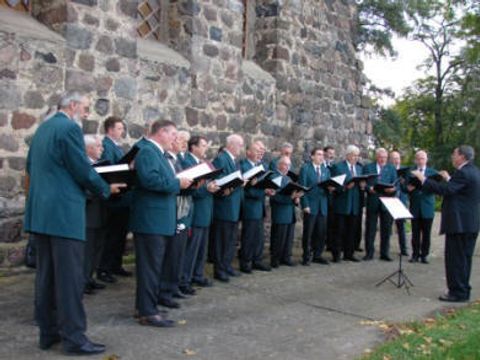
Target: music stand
(398,211)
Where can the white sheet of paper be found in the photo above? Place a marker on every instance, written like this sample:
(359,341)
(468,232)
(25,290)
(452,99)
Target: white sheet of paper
(396,208)
(111,168)
(277,181)
(195,171)
(229,177)
(340,179)
(247,175)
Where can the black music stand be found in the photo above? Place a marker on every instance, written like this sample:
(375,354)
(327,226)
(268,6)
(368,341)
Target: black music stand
(398,211)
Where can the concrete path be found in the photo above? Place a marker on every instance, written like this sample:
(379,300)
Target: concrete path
(295,313)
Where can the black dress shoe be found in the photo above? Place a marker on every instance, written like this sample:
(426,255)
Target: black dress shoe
(46,343)
(288,263)
(179,295)
(359,249)
(337,259)
(122,272)
(88,290)
(187,290)
(96,286)
(234,273)
(261,267)
(306,262)
(451,298)
(320,260)
(222,278)
(385,258)
(156,321)
(413,259)
(424,260)
(169,303)
(245,270)
(203,282)
(352,259)
(404,253)
(367,258)
(89,348)
(274,264)
(106,277)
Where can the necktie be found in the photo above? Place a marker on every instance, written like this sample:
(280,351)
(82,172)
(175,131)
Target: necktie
(352,170)
(171,161)
(319,174)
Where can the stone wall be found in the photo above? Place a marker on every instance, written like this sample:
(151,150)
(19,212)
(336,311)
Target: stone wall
(300,80)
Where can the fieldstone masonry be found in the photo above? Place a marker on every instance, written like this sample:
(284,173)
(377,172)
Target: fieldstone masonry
(298,78)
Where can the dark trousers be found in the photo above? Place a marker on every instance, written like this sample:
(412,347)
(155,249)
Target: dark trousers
(173,264)
(402,239)
(281,242)
(149,256)
(358,232)
(421,229)
(347,226)
(252,243)
(459,250)
(115,236)
(331,225)
(371,230)
(93,251)
(195,256)
(225,237)
(314,235)
(59,285)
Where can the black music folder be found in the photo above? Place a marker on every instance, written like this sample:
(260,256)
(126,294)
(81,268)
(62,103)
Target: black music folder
(129,156)
(232,180)
(359,178)
(117,174)
(293,186)
(202,171)
(336,182)
(381,187)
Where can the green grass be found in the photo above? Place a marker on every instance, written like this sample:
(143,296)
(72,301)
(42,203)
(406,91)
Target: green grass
(454,335)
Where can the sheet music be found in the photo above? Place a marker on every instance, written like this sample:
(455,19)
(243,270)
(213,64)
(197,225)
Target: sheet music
(253,171)
(340,179)
(111,168)
(226,179)
(195,171)
(396,208)
(277,181)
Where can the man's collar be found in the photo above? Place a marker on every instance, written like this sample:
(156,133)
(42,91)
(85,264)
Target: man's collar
(463,164)
(157,145)
(194,157)
(113,140)
(230,154)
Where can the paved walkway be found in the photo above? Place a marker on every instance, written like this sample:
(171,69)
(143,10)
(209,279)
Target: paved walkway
(296,313)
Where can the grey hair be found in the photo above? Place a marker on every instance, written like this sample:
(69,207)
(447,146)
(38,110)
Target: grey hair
(90,139)
(69,97)
(233,139)
(184,134)
(381,150)
(467,151)
(286,145)
(352,149)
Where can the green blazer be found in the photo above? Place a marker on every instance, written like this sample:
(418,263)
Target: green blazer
(282,206)
(346,202)
(227,208)
(422,202)
(253,204)
(111,151)
(202,200)
(317,198)
(154,204)
(389,176)
(59,173)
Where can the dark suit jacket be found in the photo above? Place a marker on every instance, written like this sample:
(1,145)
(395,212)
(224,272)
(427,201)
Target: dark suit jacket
(253,203)
(461,200)
(154,205)
(202,200)
(59,173)
(422,201)
(227,208)
(317,198)
(346,202)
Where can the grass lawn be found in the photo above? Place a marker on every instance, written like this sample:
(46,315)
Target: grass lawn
(453,334)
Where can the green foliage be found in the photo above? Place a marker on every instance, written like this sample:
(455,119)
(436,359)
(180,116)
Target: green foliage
(451,336)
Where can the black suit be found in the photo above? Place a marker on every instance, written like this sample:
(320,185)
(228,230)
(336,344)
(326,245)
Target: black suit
(95,235)
(460,224)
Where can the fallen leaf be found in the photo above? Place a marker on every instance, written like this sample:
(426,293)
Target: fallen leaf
(111,357)
(189,352)
(406,346)
(182,322)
